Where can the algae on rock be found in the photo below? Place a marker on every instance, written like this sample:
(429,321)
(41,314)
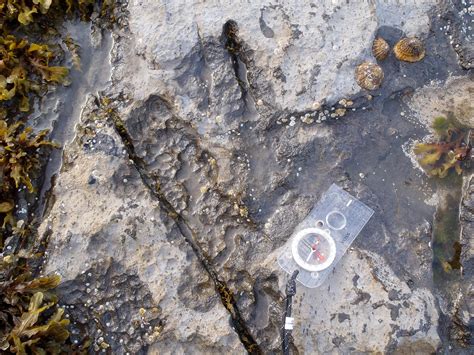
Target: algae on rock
(449,152)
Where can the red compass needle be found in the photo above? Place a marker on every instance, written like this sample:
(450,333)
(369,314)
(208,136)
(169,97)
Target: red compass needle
(320,256)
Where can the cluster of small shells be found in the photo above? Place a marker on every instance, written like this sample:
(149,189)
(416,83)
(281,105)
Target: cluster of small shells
(320,113)
(370,75)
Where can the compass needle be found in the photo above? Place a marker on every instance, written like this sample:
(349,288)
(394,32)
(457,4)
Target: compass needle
(307,244)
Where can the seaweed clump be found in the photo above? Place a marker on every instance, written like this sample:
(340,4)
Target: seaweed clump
(24,67)
(22,11)
(449,153)
(29,322)
(20,153)
(26,12)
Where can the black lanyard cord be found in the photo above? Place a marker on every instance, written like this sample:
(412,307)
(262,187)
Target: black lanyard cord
(287,319)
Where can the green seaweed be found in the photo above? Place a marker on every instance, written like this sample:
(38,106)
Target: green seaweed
(447,153)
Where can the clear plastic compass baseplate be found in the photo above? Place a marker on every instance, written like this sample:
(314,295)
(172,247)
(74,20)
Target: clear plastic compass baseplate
(323,237)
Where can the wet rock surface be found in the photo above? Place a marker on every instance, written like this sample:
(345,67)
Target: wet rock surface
(214,139)
(462,328)
(129,277)
(363,298)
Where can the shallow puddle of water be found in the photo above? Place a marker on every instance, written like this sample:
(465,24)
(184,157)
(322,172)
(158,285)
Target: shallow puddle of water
(445,239)
(61,110)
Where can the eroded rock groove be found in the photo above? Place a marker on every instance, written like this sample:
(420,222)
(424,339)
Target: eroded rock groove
(189,235)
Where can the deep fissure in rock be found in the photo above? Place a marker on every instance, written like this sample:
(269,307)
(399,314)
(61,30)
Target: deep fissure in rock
(225,294)
(240,55)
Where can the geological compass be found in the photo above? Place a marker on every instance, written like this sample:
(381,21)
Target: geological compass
(323,237)
(317,244)
(313,249)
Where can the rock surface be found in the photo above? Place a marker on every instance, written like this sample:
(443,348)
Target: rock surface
(130,278)
(464,316)
(190,170)
(442,99)
(362,298)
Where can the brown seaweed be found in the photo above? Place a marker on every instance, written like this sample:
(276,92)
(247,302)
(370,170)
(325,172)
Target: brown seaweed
(448,153)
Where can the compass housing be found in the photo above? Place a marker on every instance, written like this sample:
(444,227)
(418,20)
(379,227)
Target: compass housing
(323,237)
(328,244)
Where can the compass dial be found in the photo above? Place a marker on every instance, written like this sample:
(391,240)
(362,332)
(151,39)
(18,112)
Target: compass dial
(313,249)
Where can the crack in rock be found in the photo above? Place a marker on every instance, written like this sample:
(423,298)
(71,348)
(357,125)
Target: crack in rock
(225,294)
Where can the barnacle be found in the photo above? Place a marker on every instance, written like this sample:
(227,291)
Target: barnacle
(380,48)
(448,153)
(409,49)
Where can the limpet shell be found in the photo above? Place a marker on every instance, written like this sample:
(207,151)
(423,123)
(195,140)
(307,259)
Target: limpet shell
(369,75)
(409,49)
(380,48)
